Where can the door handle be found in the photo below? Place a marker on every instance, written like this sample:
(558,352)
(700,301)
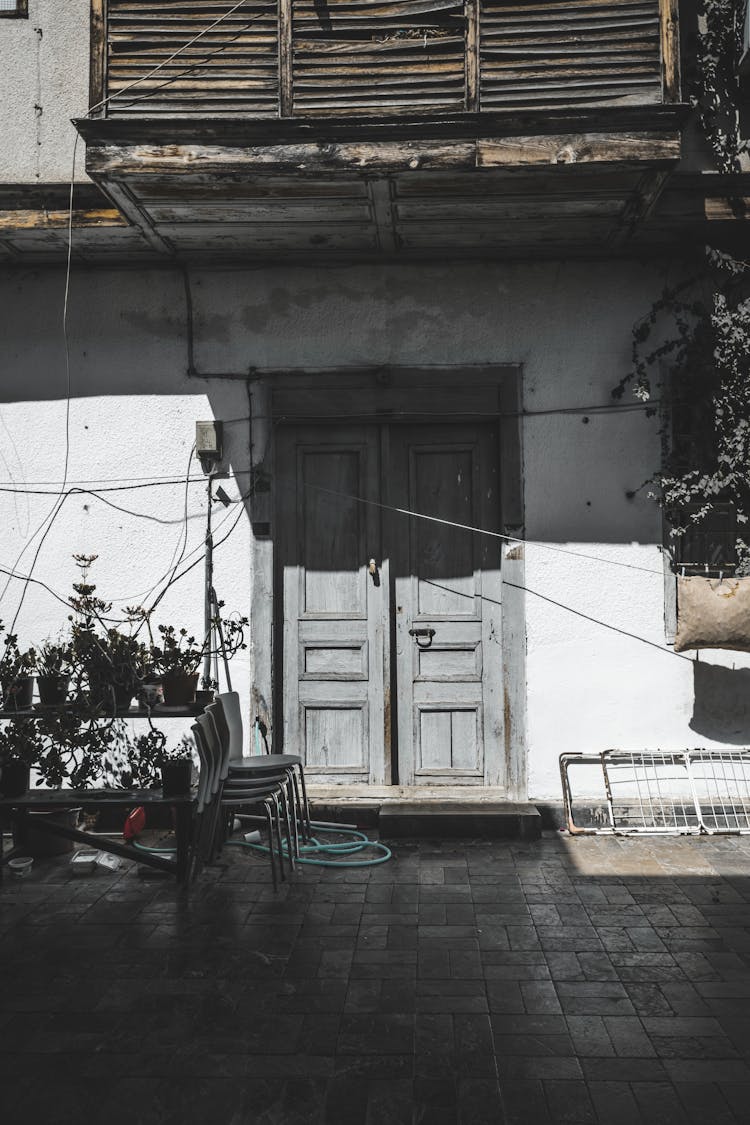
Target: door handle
(374,571)
(421,636)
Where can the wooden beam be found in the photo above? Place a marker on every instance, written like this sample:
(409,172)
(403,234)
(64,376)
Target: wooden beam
(58,220)
(136,216)
(381,201)
(98,55)
(591,148)
(735,209)
(106,162)
(109,162)
(472,55)
(640,207)
(670,50)
(286,92)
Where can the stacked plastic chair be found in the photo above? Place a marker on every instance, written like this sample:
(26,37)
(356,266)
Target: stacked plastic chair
(227,715)
(224,797)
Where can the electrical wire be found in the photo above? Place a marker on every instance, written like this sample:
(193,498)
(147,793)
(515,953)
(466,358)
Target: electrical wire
(52,515)
(183,537)
(120,488)
(175,578)
(36,582)
(483,531)
(193,66)
(165,62)
(49,520)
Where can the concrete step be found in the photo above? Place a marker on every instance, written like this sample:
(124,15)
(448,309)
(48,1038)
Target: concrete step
(403,811)
(399,819)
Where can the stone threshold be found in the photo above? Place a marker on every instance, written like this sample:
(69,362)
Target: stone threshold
(401,811)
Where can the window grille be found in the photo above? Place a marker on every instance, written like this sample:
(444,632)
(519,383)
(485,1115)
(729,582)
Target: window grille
(10,8)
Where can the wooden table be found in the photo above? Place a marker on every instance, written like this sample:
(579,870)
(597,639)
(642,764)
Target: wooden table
(51,799)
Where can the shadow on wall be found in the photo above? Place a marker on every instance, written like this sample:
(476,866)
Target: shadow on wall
(721,708)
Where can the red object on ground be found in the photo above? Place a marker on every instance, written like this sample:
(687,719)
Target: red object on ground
(134,824)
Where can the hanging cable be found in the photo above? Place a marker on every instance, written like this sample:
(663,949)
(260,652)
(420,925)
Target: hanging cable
(482,531)
(165,62)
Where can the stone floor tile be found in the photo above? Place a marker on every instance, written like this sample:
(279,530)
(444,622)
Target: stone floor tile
(540,997)
(479,1102)
(705,1103)
(614,1103)
(590,1037)
(570,1103)
(648,1000)
(659,1104)
(524,1102)
(628,1037)
(390,1102)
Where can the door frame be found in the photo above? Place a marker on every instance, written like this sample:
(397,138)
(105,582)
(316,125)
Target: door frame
(391,395)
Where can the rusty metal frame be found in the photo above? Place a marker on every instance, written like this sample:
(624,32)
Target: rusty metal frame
(711,795)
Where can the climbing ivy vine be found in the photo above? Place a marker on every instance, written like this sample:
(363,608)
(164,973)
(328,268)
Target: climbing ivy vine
(692,350)
(716,91)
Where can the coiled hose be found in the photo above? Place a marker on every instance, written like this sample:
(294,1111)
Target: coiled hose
(314,852)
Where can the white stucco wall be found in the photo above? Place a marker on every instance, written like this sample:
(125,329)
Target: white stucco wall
(599,671)
(44,82)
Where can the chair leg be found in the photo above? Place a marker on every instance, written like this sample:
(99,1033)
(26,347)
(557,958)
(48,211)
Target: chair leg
(305,802)
(296,810)
(267,807)
(285,800)
(278,837)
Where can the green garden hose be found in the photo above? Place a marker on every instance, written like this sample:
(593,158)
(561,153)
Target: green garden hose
(314,852)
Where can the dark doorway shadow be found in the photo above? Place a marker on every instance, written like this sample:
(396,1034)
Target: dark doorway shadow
(721,708)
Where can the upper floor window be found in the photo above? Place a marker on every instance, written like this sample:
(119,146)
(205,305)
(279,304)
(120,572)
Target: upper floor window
(358,57)
(14,8)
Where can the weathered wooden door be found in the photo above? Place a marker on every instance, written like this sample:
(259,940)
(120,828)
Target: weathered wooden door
(392,666)
(448,663)
(334,613)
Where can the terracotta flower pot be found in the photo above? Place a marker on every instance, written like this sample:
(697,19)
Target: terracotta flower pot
(53,690)
(18,693)
(179,688)
(14,779)
(175,777)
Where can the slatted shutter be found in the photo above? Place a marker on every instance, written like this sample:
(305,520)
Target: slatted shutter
(360,57)
(232,69)
(552,53)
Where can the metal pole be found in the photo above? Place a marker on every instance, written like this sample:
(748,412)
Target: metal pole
(208,600)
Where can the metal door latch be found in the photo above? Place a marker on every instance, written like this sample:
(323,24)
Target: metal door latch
(423,637)
(374,572)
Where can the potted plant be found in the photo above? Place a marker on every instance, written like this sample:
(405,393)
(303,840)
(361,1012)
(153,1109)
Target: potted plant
(15,674)
(20,749)
(52,665)
(149,762)
(110,663)
(178,658)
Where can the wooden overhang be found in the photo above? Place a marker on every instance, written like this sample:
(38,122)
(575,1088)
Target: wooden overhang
(462,184)
(36,225)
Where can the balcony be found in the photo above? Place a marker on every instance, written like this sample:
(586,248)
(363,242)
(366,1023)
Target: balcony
(407,128)
(302,58)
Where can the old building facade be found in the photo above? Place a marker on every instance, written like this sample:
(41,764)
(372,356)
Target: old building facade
(399,250)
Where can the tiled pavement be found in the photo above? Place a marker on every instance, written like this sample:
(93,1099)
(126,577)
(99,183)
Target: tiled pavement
(566,981)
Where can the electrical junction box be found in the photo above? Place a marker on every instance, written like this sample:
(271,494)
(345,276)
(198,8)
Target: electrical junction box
(208,444)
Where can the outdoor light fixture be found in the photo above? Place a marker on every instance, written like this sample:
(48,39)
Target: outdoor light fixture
(208,444)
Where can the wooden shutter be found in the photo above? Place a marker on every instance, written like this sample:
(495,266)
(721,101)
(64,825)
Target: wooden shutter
(232,69)
(360,57)
(552,53)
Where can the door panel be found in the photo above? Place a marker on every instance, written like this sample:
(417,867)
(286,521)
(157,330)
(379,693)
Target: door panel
(333,613)
(447,581)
